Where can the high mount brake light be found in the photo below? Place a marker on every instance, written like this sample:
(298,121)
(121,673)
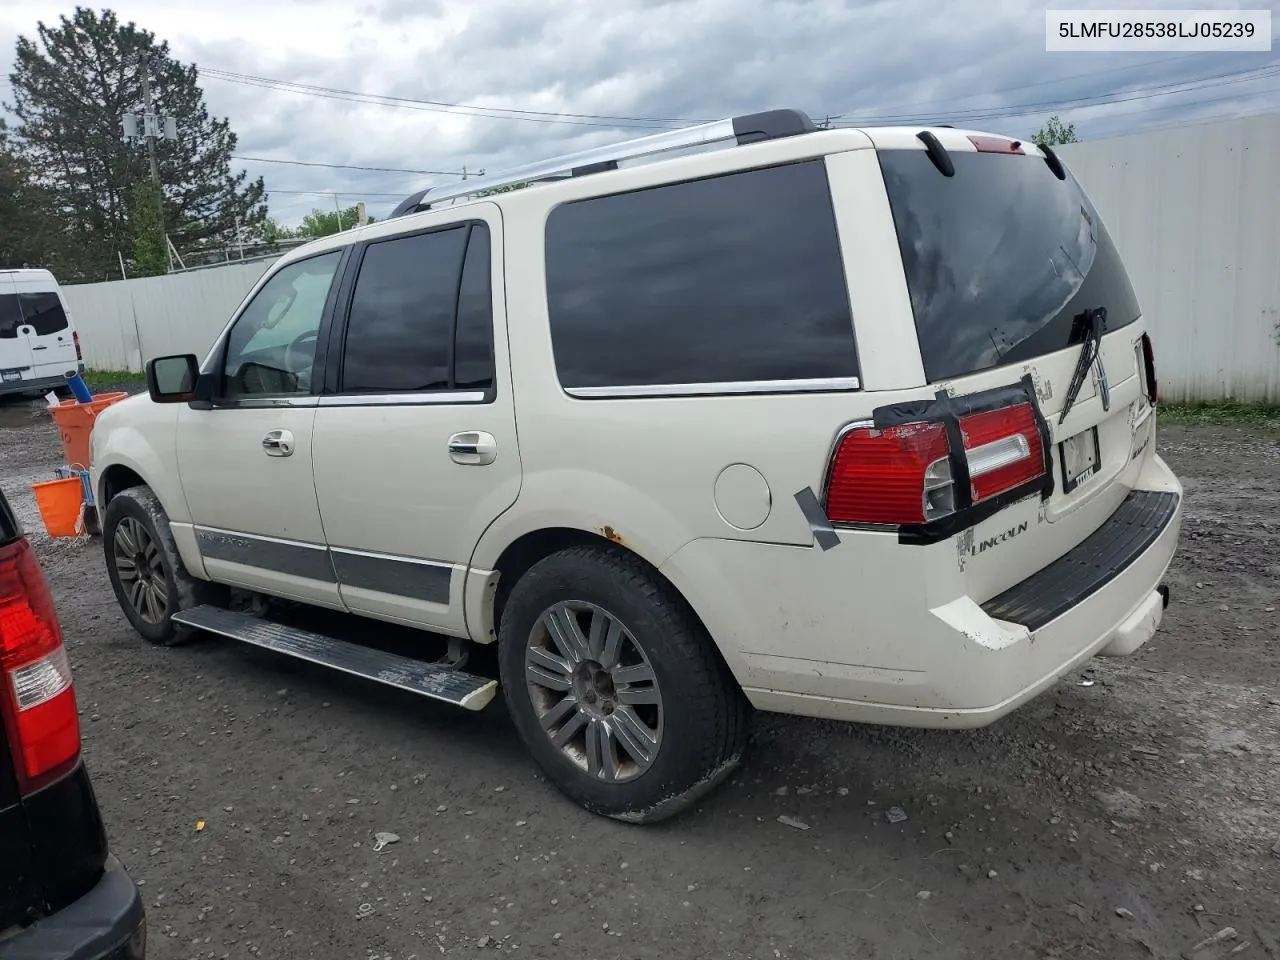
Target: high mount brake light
(37,702)
(902,475)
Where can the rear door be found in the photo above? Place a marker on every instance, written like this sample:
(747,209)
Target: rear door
(415,447)
(15,349)
(1007,265)
(46,327)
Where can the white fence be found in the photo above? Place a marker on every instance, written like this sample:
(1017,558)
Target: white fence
(1195,211)
(124,323)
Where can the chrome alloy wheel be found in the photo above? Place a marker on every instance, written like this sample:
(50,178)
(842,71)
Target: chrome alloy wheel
(594,691)
(141,570)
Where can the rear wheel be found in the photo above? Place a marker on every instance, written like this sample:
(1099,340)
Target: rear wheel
(146,572)
(615,686)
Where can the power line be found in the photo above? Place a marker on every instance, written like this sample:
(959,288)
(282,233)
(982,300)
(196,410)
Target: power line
(440,106)
(1024,86)
(348,166)
(336,193)
(1024,109)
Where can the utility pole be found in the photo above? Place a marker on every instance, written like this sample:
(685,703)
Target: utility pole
(149,113)
(149,126)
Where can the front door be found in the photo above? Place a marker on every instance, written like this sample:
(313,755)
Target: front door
(245,464)
(415,450)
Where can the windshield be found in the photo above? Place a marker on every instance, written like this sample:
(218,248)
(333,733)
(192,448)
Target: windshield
(999,259)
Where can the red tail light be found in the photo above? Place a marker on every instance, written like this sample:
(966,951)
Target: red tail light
(37,702)
(75,338)
(1003,448)
(903,475)
(1149,367)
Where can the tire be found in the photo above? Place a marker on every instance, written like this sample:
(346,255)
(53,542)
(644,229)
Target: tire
(134,518)
(595,693)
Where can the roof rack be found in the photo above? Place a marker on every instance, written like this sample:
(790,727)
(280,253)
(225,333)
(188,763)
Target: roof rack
(748,128)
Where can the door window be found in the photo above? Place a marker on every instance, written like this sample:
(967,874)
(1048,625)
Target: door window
(421,316)
(271,349)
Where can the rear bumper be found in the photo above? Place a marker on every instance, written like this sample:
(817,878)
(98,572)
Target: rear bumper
(107,923)
(843,638)
(32,384)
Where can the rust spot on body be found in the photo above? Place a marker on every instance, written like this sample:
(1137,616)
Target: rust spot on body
(612,535)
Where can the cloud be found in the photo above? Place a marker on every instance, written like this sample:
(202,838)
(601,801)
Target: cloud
(970,62)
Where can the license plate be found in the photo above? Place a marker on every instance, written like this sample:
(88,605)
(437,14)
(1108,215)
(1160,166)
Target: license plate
(1081,458)
(7,376)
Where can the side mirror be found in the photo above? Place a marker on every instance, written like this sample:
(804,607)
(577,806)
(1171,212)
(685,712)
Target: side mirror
(173,379)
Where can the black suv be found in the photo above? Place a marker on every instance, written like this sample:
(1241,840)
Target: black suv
(62,895)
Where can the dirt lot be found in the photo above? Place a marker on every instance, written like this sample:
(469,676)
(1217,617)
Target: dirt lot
(1129,813)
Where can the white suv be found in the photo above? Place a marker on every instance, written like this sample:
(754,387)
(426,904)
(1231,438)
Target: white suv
(844,423)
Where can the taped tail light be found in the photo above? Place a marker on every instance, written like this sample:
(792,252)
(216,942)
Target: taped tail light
(37,703)
(1149,367)
(904,475)
(75,338)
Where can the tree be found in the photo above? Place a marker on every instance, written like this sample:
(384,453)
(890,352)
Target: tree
(150,252)
(71,86)
(1054,132)
(321,223)
(496,190)
(28,231)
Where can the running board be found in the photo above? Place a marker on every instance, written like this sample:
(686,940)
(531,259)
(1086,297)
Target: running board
(428,679)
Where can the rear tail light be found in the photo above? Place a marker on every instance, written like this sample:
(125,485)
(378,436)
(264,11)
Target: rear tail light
(75,338)
(903,474)
(37,702)
(1148,358)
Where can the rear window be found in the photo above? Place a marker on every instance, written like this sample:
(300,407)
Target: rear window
(999,259)
(732,280)
(43,311)
(10,316)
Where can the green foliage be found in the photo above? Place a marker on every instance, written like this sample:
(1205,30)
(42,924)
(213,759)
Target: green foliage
(318,223)
(1055,132)
(28,232)
(1265,416)
(150,253)
(496,190)
(71,84)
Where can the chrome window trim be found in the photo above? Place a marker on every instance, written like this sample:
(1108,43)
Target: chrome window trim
(708,389)
(403,399)
(266,402)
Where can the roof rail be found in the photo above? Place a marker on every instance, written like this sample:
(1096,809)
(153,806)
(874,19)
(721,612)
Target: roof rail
(748,128)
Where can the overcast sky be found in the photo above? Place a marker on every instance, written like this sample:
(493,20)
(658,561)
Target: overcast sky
(979,63)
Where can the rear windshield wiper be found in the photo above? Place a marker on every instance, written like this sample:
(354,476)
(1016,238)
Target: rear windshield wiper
(1092,322)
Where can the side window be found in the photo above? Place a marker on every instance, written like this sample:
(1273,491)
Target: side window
(732,279)
(272,346)
(421,315)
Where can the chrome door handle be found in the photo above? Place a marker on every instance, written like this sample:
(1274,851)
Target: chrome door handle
(278,443)
(473,448)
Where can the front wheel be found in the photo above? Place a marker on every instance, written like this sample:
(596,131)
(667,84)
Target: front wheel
(145,569)
(615,686)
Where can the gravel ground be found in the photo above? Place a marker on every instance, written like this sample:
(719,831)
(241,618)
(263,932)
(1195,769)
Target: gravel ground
(1129,813)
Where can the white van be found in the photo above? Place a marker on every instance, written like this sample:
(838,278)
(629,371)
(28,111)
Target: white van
(38,341)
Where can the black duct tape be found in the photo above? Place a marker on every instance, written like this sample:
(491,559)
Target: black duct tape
(823,533)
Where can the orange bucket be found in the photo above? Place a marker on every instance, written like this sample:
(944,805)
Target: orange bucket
(75,424)
(60,502)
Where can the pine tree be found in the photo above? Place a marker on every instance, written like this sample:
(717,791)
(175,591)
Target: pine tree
(28,231)
(72,85)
